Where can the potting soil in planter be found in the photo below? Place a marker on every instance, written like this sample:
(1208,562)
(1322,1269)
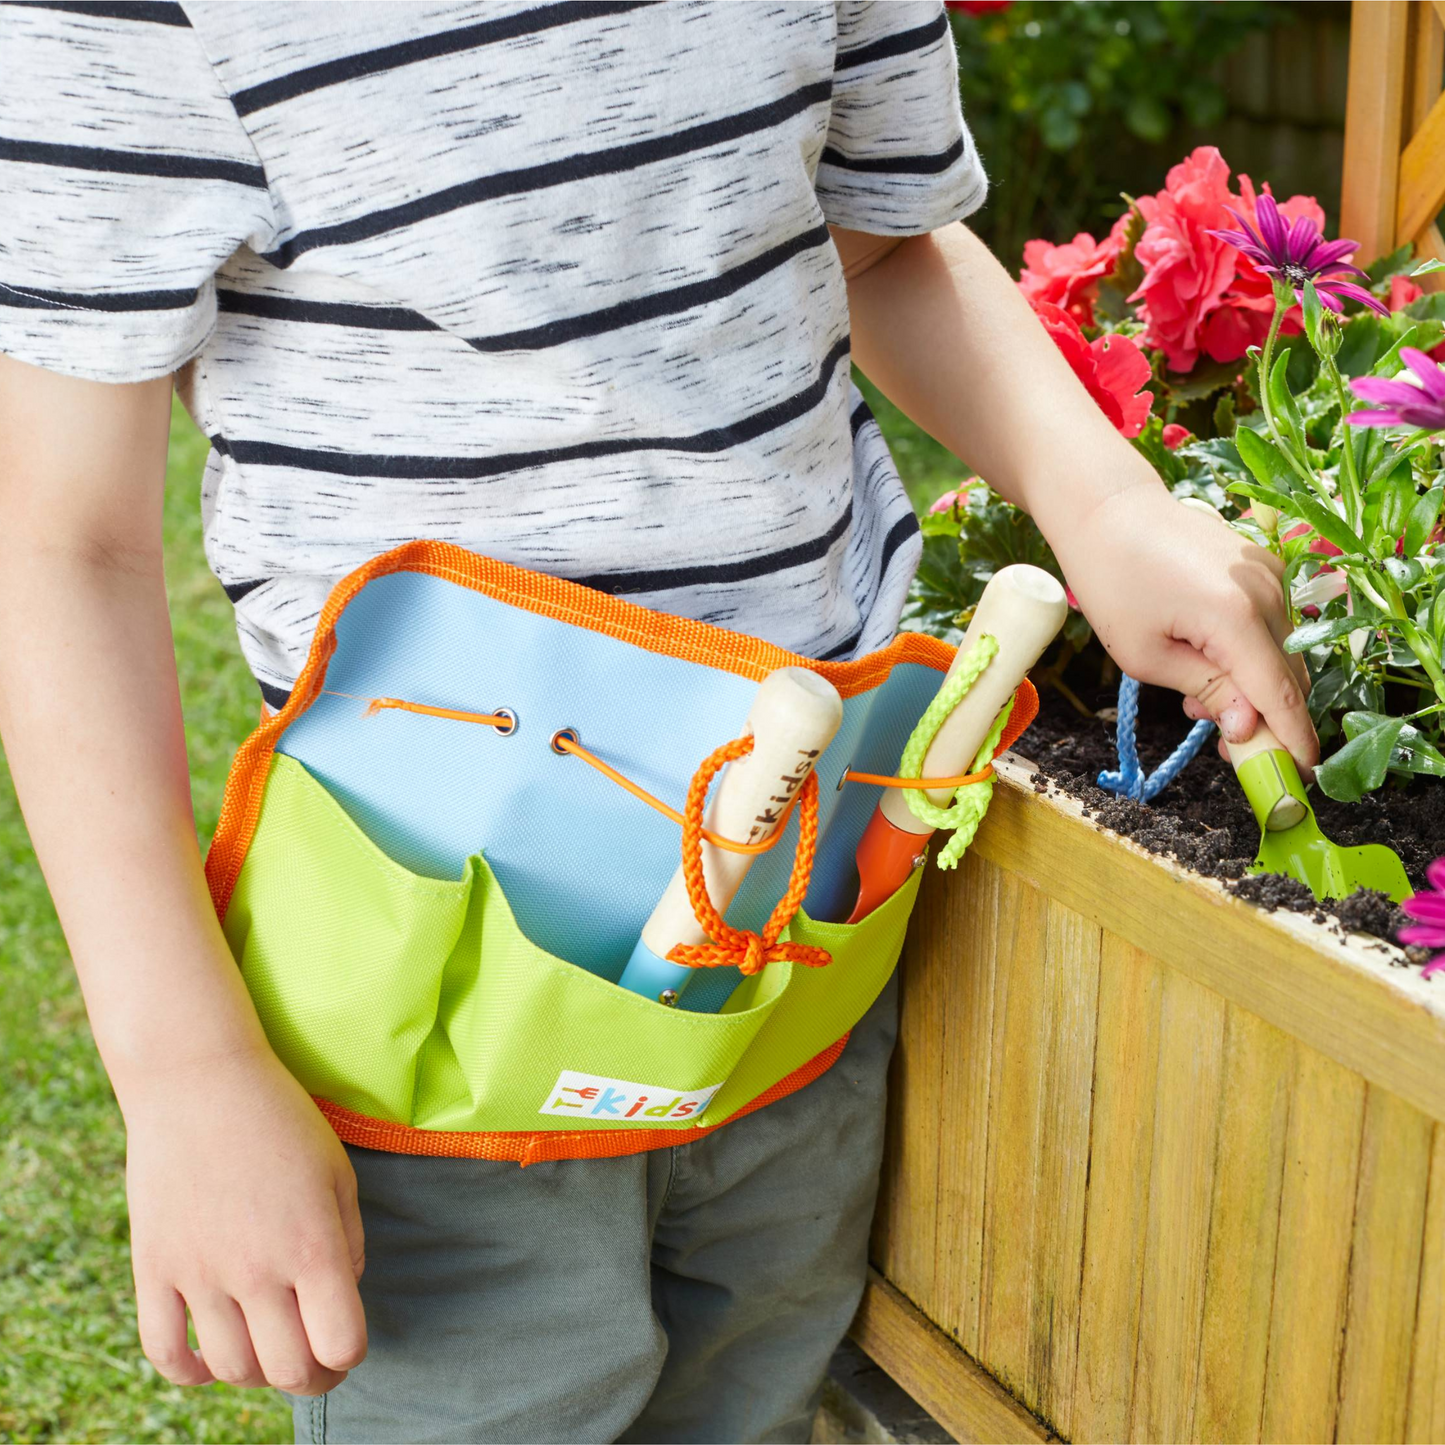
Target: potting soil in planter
(1203,821)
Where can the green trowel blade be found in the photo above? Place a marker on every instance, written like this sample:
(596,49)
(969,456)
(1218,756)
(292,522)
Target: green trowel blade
(1291,842)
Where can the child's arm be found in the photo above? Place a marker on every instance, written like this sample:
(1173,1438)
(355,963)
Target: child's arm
(941,329)
(242,1200)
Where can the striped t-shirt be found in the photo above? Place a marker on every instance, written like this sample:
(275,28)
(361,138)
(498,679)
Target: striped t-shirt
(552,282)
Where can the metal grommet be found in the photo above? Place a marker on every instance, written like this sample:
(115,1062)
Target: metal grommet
(668,998)
(510,726)
(843,776)
(572,736)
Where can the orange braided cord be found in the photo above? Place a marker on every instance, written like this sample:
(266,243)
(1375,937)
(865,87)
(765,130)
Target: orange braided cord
(568,745)
(494,720)
(749,951)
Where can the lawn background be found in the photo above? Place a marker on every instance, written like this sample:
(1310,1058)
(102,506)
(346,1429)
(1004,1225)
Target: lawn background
(70,1362)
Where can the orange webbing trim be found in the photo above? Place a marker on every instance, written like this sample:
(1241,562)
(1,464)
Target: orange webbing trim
(568,745)
(658,632)
(1026,709)
(545,1144)
(879,781)
(741,947)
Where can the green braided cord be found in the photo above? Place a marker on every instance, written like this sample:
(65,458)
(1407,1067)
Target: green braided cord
(971,801)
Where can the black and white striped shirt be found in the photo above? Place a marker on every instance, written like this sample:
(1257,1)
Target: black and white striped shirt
(551,281)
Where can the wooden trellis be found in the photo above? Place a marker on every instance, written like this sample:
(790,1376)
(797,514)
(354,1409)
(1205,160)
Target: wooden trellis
(1394,177)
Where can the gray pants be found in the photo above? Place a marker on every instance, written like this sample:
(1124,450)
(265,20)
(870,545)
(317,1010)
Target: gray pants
(689,1294)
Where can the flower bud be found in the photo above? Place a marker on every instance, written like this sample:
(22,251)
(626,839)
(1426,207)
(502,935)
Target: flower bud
(1328,334)
(1266,516)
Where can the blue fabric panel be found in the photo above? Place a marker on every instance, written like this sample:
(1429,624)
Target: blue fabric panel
(581,861)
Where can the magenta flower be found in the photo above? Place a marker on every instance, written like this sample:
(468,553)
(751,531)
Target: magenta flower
(1402,403)
(1428,905)
(1299,253)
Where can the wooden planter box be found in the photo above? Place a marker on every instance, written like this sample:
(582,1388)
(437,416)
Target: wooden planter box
(1162,1167)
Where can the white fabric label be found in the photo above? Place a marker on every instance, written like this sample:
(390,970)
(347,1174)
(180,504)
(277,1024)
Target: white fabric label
(620,1101)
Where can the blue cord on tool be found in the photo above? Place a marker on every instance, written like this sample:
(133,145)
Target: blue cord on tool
(1129,780)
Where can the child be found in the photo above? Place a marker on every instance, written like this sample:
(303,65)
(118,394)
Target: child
(576,286)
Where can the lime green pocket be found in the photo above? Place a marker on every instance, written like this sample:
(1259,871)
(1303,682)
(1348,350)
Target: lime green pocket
(421,1002)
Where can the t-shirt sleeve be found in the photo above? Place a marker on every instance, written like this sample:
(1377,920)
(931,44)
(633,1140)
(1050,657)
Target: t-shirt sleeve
(899,159)
(126,180)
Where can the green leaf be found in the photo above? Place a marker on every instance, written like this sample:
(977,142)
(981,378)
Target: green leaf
(1281,398)
(1413,751)
(1207,378)
(1360,766)
(1396,493)
(1318,631)
(1423,516)
(1314,314)
(1267,495)
(1391,265)
(1362,340)
(1390,362)
(1265,460)
(1428,268)
(1328,523)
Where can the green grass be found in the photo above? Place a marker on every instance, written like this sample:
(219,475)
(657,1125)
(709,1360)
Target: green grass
(70,1362)
(71,1368)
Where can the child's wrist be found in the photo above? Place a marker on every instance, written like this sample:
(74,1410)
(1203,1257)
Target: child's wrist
(149,1064)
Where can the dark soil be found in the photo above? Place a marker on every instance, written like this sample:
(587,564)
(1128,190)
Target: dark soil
(1204,822)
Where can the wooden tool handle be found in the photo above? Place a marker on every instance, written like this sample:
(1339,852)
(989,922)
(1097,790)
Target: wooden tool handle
(793,718)
(1274,790)
(1023,608)
(1263,741)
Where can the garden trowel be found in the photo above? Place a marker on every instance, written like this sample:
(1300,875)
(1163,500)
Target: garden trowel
(1290,839)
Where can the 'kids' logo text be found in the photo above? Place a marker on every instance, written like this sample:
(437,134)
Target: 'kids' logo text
(620,1101)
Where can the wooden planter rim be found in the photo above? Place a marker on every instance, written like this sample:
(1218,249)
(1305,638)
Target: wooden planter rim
(1351,998)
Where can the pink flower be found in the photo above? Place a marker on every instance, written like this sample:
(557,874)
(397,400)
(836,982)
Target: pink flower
(1326,584)
(948,501)
(1199,294)
(1428,907)
(1175,436)
(977,7)
(1069,275)
(1113,369)
(1402,292)
(1187,271)
(1418,402)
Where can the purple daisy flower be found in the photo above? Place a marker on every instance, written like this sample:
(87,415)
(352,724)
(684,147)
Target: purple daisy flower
(1298,254)
(1428,905)
(1402,403)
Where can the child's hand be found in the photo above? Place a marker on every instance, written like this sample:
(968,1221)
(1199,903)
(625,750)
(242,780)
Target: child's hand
(243,1210)
(1182,600)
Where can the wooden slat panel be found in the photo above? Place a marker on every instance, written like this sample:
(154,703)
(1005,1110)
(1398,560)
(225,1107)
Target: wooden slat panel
(960,1395)
(904,1233)
(1020,1029)
(1258,1071)
(1425,49)
(1070,967)
(1425,1421)
(1374,119)
(1126,1062)
(1384,1270)
(1181,1188)
(1422,176)
(1312,1258)
(963,1119)
(1342,998)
